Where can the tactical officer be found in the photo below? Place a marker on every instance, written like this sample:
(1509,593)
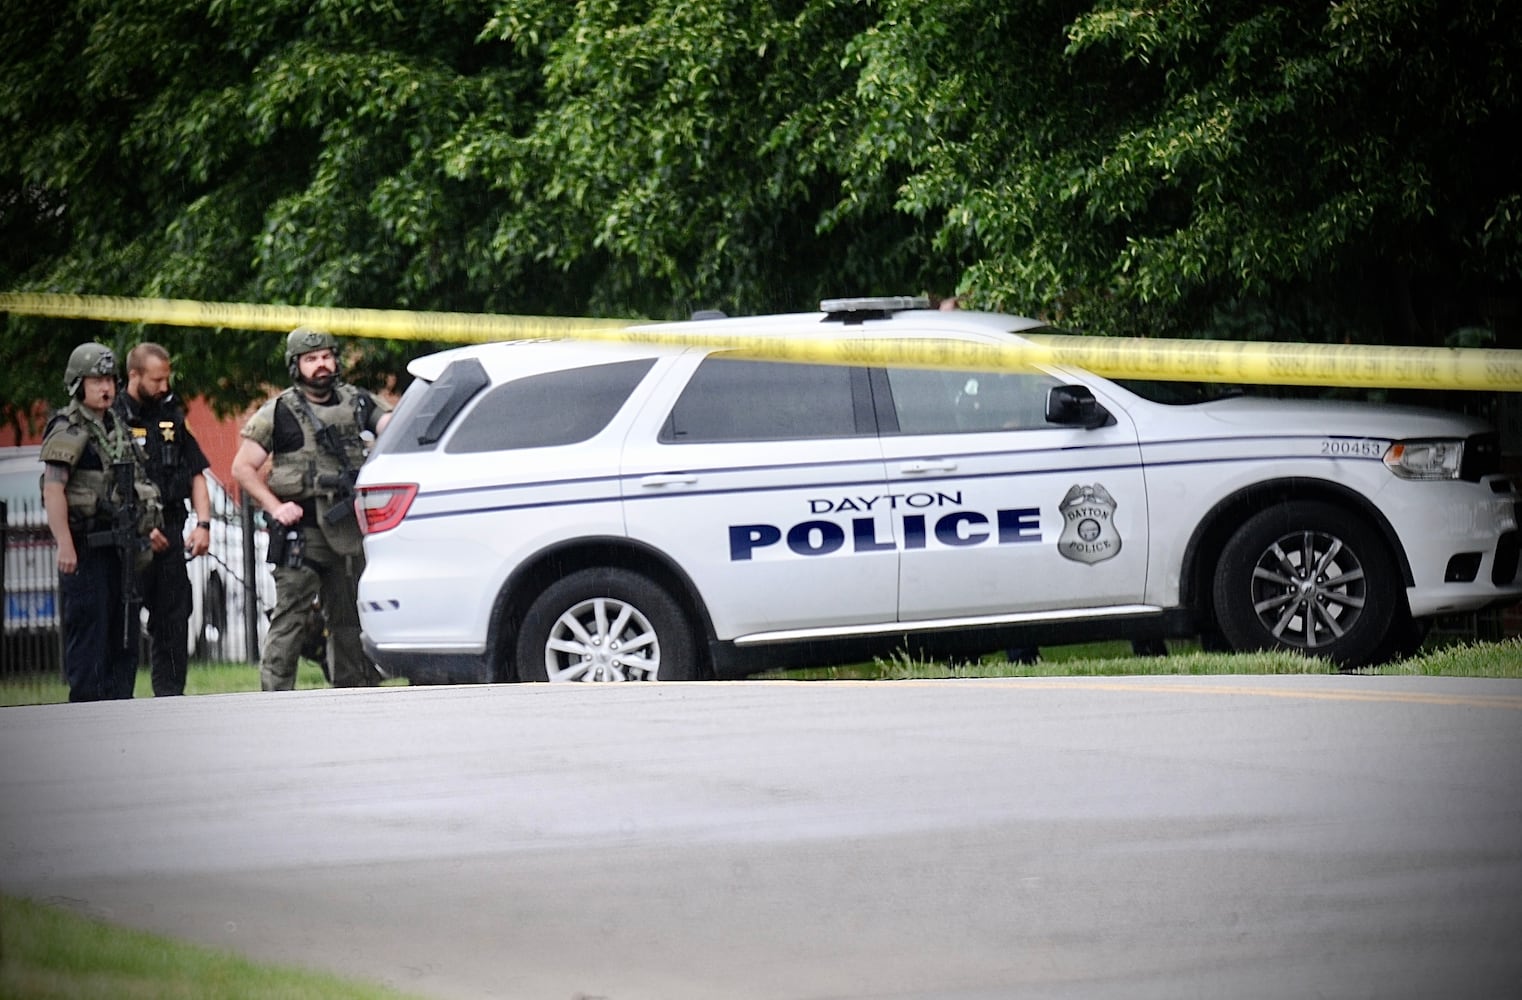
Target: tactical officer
(176,465)
(314,434)
(104,514)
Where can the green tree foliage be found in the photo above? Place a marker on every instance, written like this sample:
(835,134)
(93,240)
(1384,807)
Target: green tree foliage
(1296,170)
(280,152)
(1313,169)
(687,151)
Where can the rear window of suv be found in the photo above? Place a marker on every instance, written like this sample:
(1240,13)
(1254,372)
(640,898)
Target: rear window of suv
(428,408)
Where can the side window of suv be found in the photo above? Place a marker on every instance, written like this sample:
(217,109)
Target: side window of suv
(730,400)
(556,408)
(966,402)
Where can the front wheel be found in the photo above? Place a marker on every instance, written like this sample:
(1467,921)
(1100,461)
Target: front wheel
(605,624)
(1310,577)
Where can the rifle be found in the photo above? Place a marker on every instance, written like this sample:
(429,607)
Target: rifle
(341,484)
(123,537)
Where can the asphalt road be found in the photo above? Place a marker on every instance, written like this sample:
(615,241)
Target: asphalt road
(1139,837)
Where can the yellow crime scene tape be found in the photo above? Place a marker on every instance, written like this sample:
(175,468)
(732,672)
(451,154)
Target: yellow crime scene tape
(388,324)
(1266,363)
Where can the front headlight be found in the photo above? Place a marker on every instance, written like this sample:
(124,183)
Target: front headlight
(1425,459)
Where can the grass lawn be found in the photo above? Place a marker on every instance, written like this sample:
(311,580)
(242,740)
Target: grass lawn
(48,953)
(1115,659)
(201,678)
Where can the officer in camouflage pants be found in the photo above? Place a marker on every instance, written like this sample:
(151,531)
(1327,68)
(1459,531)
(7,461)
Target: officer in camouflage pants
(298,459)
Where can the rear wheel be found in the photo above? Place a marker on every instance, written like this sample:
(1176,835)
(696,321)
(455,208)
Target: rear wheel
(606,625)
(1310,577)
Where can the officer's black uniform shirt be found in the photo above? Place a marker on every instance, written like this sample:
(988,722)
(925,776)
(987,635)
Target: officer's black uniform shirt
(173,481)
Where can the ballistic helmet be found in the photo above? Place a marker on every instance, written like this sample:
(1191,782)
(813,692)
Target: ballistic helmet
(88,359)
(303,340)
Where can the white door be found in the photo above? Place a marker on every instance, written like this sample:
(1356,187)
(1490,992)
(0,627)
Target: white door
(1002,513)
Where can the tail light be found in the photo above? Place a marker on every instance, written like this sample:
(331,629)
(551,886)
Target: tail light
(381,508)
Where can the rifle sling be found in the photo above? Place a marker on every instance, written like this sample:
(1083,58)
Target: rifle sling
(307,415)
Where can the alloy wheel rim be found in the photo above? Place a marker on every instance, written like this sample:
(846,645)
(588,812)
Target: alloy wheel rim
(1308,589)
(602,639)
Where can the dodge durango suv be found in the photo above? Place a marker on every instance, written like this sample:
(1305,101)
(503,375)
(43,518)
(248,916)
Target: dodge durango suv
(563,510)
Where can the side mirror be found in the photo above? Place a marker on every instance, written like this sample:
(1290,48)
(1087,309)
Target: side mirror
(1075,406)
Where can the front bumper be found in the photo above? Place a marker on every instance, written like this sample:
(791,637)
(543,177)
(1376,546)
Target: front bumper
(1464,550)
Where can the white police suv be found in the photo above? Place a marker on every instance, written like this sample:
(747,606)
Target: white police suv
(556,510)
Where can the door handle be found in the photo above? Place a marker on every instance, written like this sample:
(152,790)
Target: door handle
(668,479)
(920,468)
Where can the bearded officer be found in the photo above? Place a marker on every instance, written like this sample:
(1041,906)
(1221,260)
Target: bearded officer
(298,459)
(177,467)
(101,507)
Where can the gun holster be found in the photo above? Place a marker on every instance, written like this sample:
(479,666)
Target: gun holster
(294,545)
(287,546)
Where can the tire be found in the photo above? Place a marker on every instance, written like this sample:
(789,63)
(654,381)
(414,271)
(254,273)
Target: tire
(606,625)
(1340,608)
(1212,641)
(1403,641)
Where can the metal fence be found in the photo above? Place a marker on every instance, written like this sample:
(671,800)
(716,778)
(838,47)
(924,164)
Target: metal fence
(232,589)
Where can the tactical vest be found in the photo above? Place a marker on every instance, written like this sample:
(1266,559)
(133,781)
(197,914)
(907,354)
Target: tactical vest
(297,475)
(89,491)
(314,472)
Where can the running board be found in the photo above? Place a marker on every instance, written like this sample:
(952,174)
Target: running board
(946,624)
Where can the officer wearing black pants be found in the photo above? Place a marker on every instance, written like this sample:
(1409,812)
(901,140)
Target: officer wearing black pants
(104,515)
(176,465)
(100,650)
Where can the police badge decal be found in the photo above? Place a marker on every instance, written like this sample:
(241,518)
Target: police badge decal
(1088,534)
